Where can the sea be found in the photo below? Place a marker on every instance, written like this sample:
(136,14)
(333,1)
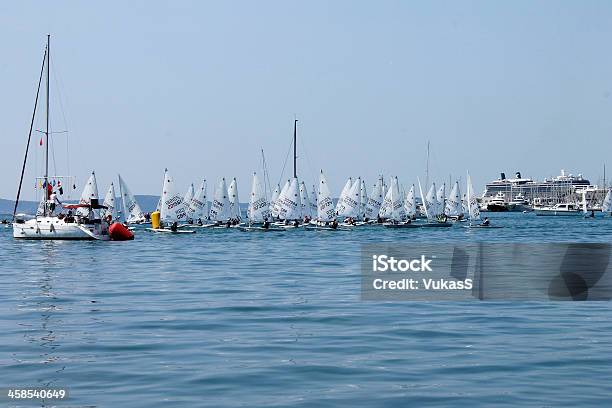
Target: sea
(224,318)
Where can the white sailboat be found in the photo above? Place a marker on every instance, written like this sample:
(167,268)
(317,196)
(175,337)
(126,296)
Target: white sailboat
(219,208)
(326,211)
(375,200)
(395,213)
(234,200)
(273,199)
(173,209)
(305,200)
(132,214)
(473,209)
(187,199)
(90,191)
(364,200)
(351,205)
(51,224)
(258,212)
(441,200)
(454,208)
(276,207)
(109,203)
(428,202)
(197,208)
(410,204)
(343,194)
(290,206)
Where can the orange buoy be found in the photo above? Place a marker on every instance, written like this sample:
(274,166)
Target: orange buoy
(118,232)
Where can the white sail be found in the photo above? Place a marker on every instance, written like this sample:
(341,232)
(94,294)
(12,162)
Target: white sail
(453,206)
(472,204)
(607,203)
(364,199)
(131,210)
(276,208)
(351,205)
(219,209)
(89,191)
(410,203)
(423,200)
(305,200)
(387,204)
(441,199)
(187,199)
(431,203)
(395,211)
(325,205)
(290,206)
(109,203)
(584,202)
(233,200)
(313,201)
(274,197)
(259,207)
(345,191)
(197,207)
(375,200)
(172,208)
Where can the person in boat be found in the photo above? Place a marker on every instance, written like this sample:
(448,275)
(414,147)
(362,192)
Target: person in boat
(592,214)
(266,224)
(200,222)
(174,226)
(486,222)
(52,200)
(109,219)
(334,224)
(147,217)
(379,220)
(296,223)
(228,224)
(366,219)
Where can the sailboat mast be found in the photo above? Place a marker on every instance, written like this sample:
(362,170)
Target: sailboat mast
(47,128)
(295,148)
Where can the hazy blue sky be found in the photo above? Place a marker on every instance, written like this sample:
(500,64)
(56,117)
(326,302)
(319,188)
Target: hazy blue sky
(200,87)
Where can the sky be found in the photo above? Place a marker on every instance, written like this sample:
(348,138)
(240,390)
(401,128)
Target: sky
(201,87)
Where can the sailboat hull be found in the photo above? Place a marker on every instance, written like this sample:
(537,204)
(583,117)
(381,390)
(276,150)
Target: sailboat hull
(53,228)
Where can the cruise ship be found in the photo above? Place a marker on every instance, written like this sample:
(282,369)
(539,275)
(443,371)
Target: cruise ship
(564,188)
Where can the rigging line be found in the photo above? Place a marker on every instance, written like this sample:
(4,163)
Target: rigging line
(285,162)
(308,161)
(42,69)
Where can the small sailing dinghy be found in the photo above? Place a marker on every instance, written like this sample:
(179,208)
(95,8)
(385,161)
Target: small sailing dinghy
(454,208)
(234,202)
(109,203)
(220,207)
(258,212)
(132,214)
(172,210)
(326,212)
(431,208)
(473,210)
(197,209)
(394,210)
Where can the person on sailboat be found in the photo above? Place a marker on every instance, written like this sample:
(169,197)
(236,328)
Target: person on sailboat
(592,214)
(174,226)
(334,224)
(266,223)
(200,222)
(486,222)
(52,200)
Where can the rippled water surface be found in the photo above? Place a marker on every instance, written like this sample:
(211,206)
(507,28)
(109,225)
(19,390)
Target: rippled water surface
(226,318)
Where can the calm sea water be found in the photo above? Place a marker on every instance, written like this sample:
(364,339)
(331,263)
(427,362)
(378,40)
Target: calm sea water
(225,318)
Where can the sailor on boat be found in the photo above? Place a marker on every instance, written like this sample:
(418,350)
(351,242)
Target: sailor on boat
(486,222)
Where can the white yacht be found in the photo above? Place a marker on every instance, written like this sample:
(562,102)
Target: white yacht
(49,223)
(558,209)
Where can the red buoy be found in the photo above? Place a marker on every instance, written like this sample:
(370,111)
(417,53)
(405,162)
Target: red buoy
(118,232)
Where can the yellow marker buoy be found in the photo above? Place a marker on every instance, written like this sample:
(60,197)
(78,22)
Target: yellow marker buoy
(155,216)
